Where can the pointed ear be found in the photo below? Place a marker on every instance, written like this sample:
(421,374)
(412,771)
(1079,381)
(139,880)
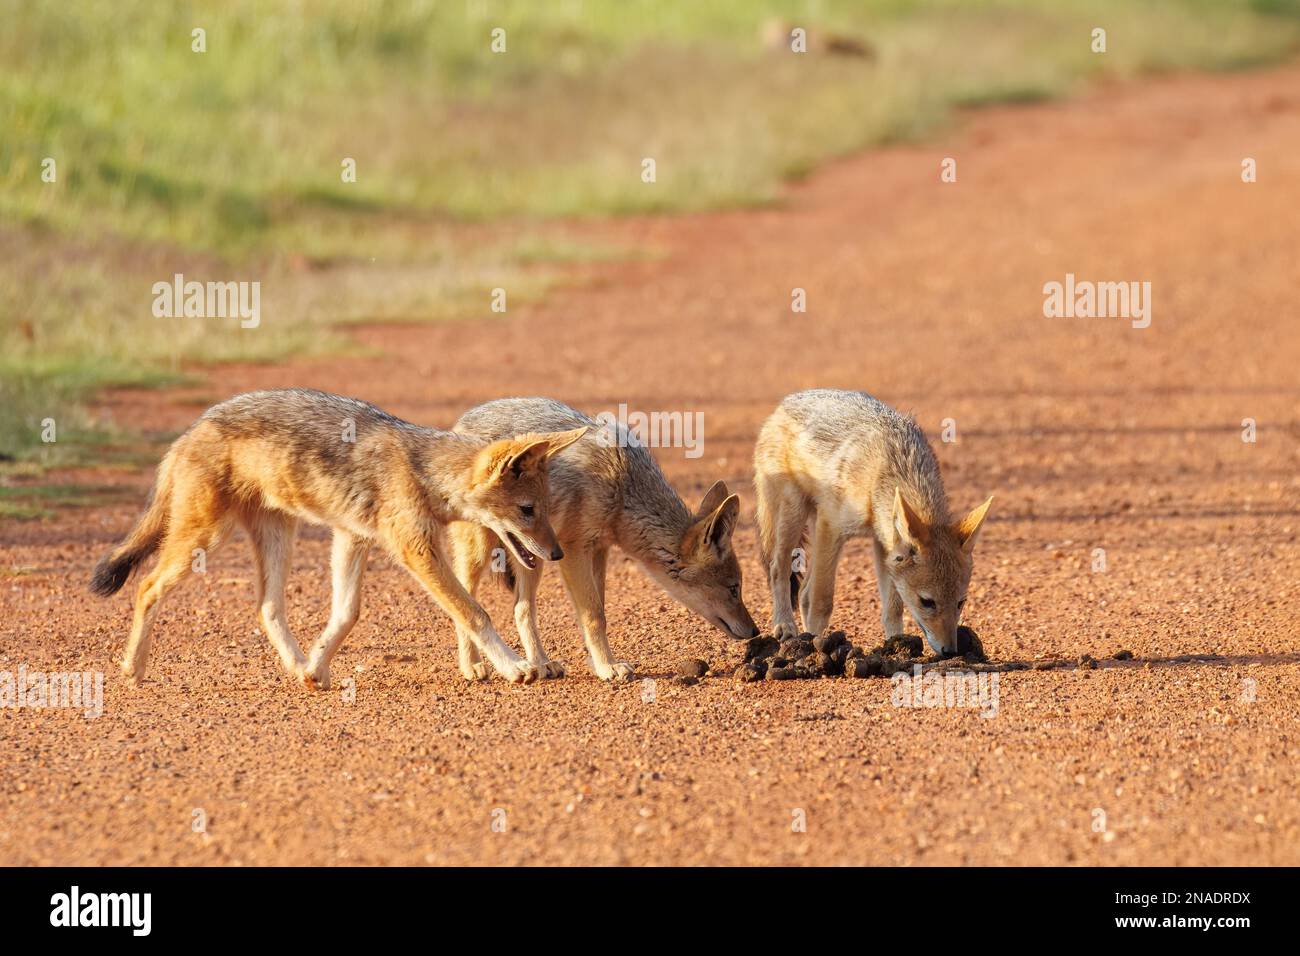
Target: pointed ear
(527,452)
(907,523)
(558,441)
(712,499)
(968,527)
(719,525)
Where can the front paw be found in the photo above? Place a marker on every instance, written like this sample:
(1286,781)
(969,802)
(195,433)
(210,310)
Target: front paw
(785,630)
(133,675)
(475,670)
(623,670)
(316,677)
(617,670)
(550,670)
(519,672)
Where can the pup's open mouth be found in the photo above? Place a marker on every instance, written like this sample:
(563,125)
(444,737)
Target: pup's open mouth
(526,557)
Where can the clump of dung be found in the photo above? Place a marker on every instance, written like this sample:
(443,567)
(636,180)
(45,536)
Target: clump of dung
(832,655)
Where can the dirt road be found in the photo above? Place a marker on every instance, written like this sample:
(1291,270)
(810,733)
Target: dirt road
(1094,434)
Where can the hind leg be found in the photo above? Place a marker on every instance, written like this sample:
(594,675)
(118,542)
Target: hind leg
(347,564)
(175,563)
(173,567)
(272,537)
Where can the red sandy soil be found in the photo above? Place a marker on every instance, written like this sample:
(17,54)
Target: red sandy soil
(1092,434)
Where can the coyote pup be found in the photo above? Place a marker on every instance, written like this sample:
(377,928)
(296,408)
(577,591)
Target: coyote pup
(606,490)
(831,465)
(265,460)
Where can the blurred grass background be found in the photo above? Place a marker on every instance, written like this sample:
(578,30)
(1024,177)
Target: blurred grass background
(226,164)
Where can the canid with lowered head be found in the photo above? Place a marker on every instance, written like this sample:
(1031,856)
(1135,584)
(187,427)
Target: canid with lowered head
(831,465)
(267,460)
(606,490)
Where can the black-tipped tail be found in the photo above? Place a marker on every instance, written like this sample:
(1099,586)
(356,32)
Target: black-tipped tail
(111,573)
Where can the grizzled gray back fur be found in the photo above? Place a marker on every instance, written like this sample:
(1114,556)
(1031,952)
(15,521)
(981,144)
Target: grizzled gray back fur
(646,514)
(853,426)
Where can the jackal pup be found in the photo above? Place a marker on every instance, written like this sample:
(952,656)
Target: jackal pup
(266,460)
(831,465)
(605,490)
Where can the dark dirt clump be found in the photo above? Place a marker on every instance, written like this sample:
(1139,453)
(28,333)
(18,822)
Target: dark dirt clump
(796,649)
(693,668)
(869,665)
(902,645)
(833,654)
(969,645)
(829,643)
(747,673)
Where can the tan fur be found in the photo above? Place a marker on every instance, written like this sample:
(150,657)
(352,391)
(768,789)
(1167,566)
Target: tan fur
(267,460)
(606,493)
(831,465)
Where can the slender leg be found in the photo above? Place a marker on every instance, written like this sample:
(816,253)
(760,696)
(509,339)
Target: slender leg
(805,582)
(786,512)
(599,564)
(471,552)
(347,564)
(418,553)
(526,582)
(188,531)
(828,544)
(272,536)
(174,566)
(891,605)
(580,580)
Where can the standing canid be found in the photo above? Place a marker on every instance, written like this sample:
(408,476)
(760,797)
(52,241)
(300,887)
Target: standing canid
(839,465)
(606,490)
(266,460)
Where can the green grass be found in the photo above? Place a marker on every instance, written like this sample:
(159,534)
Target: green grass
(226,164)
(239,148)
(38,501)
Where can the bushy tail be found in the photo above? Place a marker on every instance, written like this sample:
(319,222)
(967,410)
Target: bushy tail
(116,566)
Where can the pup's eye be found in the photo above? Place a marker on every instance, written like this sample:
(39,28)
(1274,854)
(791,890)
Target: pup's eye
(526,510)
(927,603)
(735,590)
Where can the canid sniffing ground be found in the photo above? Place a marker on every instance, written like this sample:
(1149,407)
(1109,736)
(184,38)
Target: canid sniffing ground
(831,465)
(267,460)
(606,490)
